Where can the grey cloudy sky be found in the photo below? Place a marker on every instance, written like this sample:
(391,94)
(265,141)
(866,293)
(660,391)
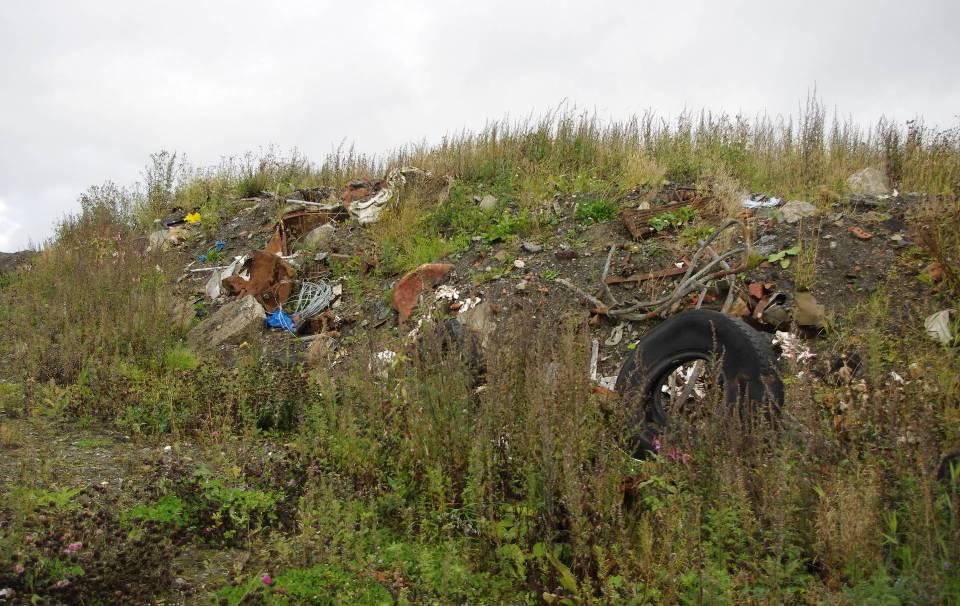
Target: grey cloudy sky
(89,89)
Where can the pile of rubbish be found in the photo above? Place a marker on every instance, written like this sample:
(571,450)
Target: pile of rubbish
(262,287)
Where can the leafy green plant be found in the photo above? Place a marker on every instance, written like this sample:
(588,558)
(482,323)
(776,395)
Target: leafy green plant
(595,211)
(168,510)
(783,257)
(672,219)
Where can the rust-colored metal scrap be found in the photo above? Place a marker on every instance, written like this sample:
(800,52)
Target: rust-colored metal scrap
(637,222)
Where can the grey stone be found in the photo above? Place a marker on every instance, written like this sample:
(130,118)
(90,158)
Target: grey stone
(869,181)
(488,202)
(320,237)
(794,210)
(236,319)
(480,321)
(776,316)
(531,247)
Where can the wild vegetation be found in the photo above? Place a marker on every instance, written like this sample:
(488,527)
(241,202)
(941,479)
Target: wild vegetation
(424,484)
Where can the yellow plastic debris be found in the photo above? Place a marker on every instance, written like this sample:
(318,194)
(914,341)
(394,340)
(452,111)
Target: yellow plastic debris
(192,218)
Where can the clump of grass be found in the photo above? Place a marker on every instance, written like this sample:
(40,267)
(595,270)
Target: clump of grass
(180,358)
(805,269)
(595,211)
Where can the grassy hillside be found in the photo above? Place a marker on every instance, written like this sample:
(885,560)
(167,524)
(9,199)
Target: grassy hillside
(250,479)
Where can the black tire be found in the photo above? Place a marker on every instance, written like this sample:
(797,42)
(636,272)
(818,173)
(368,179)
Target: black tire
(747,369)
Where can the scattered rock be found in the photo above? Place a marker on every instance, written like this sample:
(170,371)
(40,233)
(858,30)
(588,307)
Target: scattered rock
(522,285)
(860,233)
(488,202)
(407,292)
(767,245)
(565,255)
(233,321)
(480,320)
(321,237)
(531,247)
(807,312)
(519,264)
(794,210)
(775,316)
(869,181)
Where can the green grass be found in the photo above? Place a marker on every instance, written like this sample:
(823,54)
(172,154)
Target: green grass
(595,211)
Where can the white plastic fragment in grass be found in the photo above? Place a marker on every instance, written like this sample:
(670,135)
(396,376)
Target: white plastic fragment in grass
(791,348)
(940,327)
(760,201)
(368,211)
(212,287)
(469,303)
(616,335)
(445,292)
(381,363)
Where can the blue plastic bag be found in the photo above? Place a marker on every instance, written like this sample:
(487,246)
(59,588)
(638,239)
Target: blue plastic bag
(278,319)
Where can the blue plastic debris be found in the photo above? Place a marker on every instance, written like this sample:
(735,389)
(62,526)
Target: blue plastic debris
(202,258)
(278,319)
(219,244)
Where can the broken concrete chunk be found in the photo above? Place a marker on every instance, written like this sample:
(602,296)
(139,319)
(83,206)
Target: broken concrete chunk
(233,321)
(794,210)
(488,202)
(407,292)
(321,237)
(479,320)
(807,312)
(869,181)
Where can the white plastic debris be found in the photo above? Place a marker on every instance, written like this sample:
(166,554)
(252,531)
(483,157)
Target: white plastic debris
(758,201)
(212,287)
(616,335)
(608,382)
(445,292)
(791,348)
(896,377)
(381,362)
(469,303)
(940,328)
(368,211)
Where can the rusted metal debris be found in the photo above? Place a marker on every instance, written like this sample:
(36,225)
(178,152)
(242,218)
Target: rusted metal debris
(637,221)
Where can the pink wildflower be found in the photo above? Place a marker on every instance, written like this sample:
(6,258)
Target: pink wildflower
(656,444)
(267,579)
(73,548)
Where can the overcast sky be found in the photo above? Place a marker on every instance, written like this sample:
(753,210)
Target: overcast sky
(88,89)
